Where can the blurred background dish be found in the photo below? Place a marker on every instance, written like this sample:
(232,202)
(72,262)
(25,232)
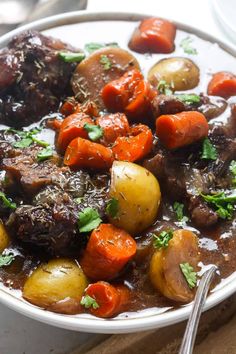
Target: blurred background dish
(225,12)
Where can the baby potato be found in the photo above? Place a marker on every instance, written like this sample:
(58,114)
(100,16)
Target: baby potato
(55,281)
(165,272)
(138,194)
(181,73)
(4,238)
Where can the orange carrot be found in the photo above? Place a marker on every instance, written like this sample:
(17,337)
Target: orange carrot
(82,153)
(108,250)
(153,35)
(177,130)
(54,124)
(113,125)
(129,94)
(134,147)
(69,106)
(72,127)
(222,84)
(110,299)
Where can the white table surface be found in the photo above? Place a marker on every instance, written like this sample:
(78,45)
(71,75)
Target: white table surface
(20,335)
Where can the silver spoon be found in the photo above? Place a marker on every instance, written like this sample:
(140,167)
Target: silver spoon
(199,302)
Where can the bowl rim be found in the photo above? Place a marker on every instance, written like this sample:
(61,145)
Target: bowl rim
(116,325)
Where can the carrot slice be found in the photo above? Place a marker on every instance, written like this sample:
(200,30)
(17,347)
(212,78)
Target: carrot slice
(72,127)
(113,125)
(69,106)
(134,147)
(82,153)
(153,35)
(54,124)
(110,299)
(222,84)
(177,130)
(108,250)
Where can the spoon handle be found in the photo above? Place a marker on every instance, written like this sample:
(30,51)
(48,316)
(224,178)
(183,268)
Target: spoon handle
(200,298)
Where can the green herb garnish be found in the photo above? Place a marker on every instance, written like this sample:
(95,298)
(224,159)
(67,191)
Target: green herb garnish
(165,88)
(95,132)
(187,47)
(208,150)
(189,274)
(89,219)
(224,204)
(189,99)
(88,301)
(105,61)
(179,210)
(70,57)
(162,240)
(45,154)
(112,207)
(27,138)
(7,202)
(6,260)
(232,168)
(93,46)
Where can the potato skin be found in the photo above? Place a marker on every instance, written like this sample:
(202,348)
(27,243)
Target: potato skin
(90,76)
(55,281)
(182,73)
(4,238)
(138,194)
(165,273)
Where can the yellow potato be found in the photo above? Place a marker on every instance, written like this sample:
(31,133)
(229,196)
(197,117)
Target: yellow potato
(165,273)
(181,73)
(55,281)
(4,238)
(138,194)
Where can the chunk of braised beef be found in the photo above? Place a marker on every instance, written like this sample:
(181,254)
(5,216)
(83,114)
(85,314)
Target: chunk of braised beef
(212,106)
(33,78)
(201,214)
(162,104)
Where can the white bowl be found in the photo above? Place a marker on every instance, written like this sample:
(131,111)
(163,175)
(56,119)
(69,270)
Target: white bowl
(65,26)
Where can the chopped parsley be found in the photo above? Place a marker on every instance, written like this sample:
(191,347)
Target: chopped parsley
(45,154)
(189,99)
(179,210)
(162,240)
(88,301)
(6,260)
(224,204)
(7,202)
(208,150)
(187,47)
(95,132)
(112,207)
(89,219)
(232,168)
(70,57)
(27,137)
(93,46)
(189,274)
(105,61)
(165,88)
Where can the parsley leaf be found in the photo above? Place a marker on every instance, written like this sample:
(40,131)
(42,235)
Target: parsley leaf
(105,61)
(27,138)
(232,169)
(45,154)
(112,207)
(89,219)
(223,203)
(91,47)
(186,45)
(165,88)
(208,150)
(6,260)
(189,274)
(70,57)
(6,202)
(179,210)
(189,99)
(95,132)
(88,301)
(25,142)
(162,240)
